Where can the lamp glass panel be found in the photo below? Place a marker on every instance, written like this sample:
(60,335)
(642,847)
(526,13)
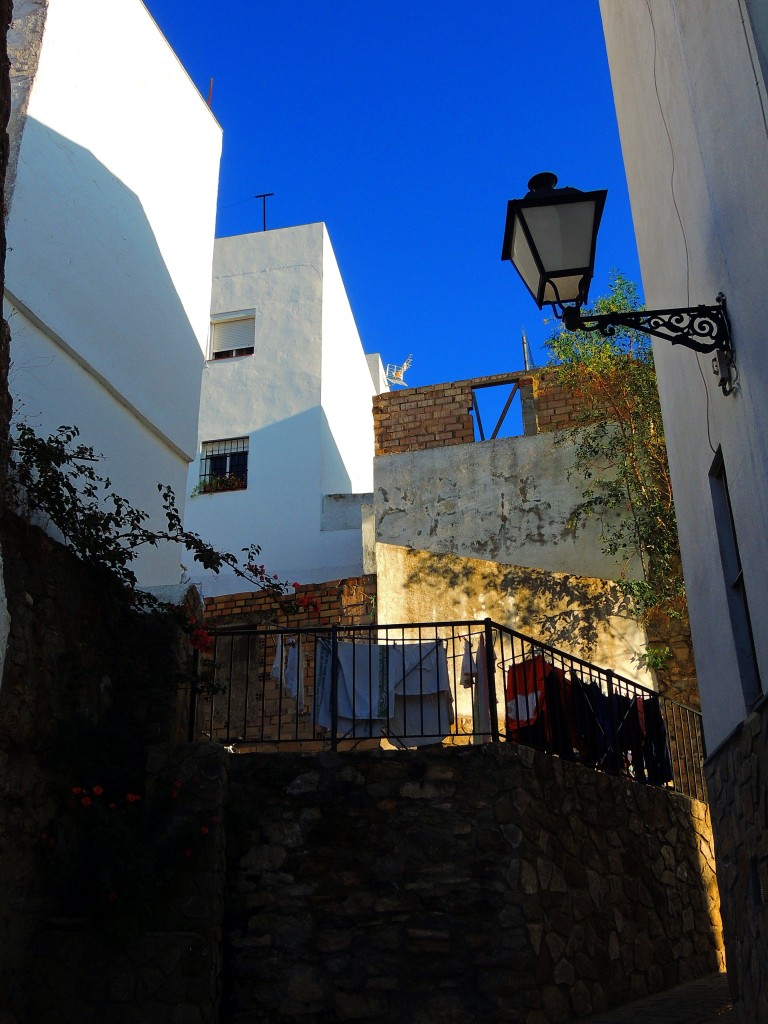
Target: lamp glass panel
(523,259)
(562,234)
(568,289)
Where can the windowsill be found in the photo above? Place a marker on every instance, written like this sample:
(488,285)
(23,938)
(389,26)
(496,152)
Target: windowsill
(237,353)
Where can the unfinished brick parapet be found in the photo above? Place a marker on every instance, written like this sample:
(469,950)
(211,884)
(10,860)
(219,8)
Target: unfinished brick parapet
(349,602)
(438,415)
(556,408)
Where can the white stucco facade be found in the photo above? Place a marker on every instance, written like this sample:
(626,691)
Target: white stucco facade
(689,80)
(302,399)
(110,232)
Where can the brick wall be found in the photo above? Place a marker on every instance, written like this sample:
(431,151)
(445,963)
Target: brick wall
(438,415)
(433,416)
(556,408)
(349,602)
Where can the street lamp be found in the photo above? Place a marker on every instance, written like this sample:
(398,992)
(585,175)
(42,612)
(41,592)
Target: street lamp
(550,238)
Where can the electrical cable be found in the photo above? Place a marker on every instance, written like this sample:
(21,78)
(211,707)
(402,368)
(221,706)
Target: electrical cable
(677,211)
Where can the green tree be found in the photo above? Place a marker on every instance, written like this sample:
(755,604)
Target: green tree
(621,452)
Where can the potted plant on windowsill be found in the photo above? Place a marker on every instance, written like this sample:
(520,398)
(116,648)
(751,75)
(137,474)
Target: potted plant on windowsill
(214,484)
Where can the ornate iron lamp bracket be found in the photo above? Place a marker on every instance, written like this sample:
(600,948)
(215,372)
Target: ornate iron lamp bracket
(701,328)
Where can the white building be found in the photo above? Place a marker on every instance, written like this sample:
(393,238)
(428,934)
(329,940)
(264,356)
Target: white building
(111,194)
(690,81)
(285,451)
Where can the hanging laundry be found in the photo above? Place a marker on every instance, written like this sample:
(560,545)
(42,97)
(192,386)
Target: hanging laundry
(363,691)
(293,680)
(423,700)
(536,714)
(277,664)
(468,665)
(481,701)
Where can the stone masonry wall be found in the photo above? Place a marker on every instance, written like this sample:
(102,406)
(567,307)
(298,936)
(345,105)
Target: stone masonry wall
(491,884)
(736,776)
(88,685)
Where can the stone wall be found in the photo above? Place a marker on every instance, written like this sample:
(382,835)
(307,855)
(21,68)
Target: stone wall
(88,685)
(126,971)
(489,884)
(735,781)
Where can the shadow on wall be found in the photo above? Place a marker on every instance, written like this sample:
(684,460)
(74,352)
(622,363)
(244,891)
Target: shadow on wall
(84,259)
(560,609)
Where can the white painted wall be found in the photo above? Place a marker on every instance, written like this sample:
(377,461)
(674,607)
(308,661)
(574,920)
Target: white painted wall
(689,84)
(304,399)
(110,235)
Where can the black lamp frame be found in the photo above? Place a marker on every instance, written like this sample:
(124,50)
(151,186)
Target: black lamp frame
(701,328)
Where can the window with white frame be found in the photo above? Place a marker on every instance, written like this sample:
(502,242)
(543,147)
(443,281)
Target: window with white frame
(224,465)
(235,337)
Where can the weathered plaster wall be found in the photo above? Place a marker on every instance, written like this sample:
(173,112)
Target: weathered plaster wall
(584,617)
(506,501)
(24,40)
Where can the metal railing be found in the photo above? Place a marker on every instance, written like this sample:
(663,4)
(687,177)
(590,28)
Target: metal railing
(406,685)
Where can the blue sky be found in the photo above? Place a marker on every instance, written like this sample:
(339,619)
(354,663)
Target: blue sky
(406,126)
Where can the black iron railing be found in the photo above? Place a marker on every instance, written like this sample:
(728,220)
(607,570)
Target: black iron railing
(410,684)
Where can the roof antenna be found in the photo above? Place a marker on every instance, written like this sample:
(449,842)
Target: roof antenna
(210,93)
(263,196)
(395,374)
(528,363)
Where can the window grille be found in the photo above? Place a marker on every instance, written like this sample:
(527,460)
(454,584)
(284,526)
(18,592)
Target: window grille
(231,338)
(224,465)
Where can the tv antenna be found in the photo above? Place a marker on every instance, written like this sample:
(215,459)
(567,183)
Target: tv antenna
(395,374)
(264,196)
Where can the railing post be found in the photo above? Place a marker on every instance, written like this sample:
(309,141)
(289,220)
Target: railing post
(490,669)
(193,694)
(616,758)
(334,687)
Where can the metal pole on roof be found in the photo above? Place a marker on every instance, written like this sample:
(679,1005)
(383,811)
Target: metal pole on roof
(263,196)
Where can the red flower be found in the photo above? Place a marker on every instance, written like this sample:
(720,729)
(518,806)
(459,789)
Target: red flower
(204,830)
(187,852)
(77,789)
(113,807)
(86,801)
(132,797)
(97,790)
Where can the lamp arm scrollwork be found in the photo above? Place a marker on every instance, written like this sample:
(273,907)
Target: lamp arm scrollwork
(701,328)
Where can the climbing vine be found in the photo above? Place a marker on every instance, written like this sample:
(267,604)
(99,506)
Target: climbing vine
(55,480)
(621,453)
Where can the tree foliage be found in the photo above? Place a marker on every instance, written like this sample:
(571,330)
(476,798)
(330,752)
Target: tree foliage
(621,452)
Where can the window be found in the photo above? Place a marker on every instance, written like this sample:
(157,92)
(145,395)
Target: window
(231,338)
(734,580)
(224,465)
